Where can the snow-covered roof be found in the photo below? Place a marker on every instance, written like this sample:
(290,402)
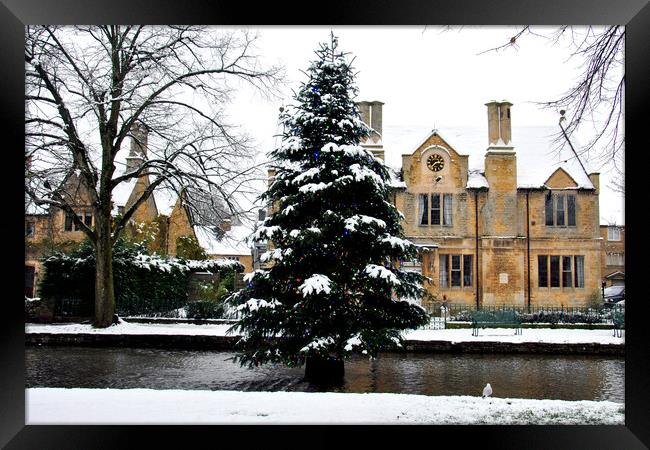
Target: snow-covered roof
(233,242)
(476,180)
(537,156)
(32,208)
(394,181)
(165,200)
(616,274)
(122,192)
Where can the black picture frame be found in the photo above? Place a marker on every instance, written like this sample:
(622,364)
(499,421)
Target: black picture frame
(635,14)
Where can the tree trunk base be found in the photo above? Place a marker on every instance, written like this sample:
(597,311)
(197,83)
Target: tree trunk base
(324,370)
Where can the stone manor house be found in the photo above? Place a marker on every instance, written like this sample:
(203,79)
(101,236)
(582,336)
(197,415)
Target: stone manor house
(499,216)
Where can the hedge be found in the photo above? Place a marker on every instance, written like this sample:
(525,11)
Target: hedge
(144,283)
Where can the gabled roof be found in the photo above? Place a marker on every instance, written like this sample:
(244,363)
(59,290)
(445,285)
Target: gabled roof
(617,274)
(33,209)
(122,192)
(537,157)
(165,200)
(476,180)
(559,172)
(432,133)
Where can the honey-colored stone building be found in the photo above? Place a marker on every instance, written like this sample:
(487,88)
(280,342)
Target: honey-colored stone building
(225,241)
(613,255)
(500,216)
(48,229)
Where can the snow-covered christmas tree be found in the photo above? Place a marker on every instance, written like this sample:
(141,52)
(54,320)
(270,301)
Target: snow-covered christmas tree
(335,286)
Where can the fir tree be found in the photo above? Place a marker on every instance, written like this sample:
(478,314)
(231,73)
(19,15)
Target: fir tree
(335,286)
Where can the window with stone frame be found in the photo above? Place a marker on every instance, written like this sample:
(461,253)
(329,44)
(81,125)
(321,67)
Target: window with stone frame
(579,271)
(30,228)
(615,259)
(447,209)
(560,210)
(68,225)
(613,234)
(567,271)
(542,270)
(440,212)
(467,270)
(84,216)
(564,271)
(444,271)
(555,271)
(435,209)
(455,270)
(423,203)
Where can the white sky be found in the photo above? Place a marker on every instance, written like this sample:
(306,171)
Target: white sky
(426,77)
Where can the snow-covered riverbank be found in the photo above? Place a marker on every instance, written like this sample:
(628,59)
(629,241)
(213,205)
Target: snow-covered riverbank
(547,335)
(148,406)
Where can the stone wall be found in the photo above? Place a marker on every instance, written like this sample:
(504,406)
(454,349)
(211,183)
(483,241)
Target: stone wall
(502,262)
(147,210)
(178,225)
(197,342)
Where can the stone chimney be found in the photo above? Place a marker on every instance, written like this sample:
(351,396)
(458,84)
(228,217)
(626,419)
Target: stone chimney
(594,177)
(138,150)
(364,111)
(499,130)
(372,115)
(500,172)
(376,116)
(226,225)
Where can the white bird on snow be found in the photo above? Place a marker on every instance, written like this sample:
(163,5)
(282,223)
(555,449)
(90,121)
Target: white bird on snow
(487,390)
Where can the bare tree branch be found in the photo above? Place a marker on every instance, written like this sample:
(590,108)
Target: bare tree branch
(88,88)
(596,97)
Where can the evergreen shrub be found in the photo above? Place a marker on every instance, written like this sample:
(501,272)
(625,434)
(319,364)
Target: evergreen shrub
(145,284)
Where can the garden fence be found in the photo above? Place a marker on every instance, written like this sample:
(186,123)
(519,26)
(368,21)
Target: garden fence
(455,312)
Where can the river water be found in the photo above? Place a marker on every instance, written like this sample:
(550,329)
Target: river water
(564,377)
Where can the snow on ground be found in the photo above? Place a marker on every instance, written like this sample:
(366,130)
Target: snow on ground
(149,406)
(550,335)
(131,328)
(566,336)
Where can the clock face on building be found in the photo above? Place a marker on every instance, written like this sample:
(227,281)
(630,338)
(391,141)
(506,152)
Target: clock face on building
(435,163)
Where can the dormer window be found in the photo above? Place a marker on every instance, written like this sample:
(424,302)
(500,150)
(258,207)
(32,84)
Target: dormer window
(560,210)
(84,216)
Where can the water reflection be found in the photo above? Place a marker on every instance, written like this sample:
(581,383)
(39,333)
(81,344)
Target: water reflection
(566,377)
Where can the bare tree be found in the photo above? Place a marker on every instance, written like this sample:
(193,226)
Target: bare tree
(596,98)
(89,87)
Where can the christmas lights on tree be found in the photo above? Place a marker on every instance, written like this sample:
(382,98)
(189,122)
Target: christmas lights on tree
(334,287)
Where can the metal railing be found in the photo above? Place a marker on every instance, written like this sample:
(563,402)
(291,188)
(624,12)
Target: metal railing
(458,312)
